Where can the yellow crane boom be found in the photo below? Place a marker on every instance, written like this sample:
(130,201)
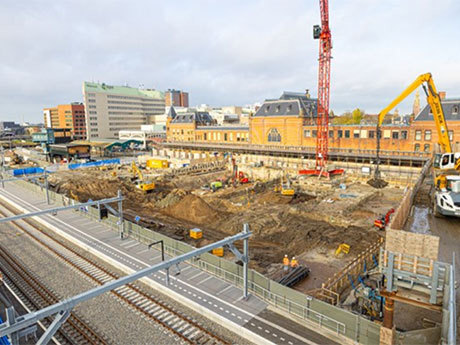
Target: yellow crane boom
(433,99)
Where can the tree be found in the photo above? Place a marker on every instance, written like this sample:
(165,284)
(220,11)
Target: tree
(357,116)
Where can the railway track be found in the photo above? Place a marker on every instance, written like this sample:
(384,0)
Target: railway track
(36,295)
(180,325)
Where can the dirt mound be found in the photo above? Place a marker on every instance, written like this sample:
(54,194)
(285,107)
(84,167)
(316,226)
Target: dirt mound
(193,209)
(377,183)
(172,198)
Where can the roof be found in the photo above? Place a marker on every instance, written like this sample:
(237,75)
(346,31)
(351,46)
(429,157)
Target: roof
(200,117)
(172,112)
(289,104)
(451,108)
(122,90)
(222,128)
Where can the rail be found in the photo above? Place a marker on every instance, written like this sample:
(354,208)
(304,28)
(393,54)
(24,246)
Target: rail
(301,149)
(316,312)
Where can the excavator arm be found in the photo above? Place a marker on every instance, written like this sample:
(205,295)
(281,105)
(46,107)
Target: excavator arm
(433,100)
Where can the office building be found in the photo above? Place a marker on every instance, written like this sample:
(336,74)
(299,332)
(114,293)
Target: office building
(176,98)
(110,109)
(69,116)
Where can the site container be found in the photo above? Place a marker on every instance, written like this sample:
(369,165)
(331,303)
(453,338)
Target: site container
(157,164)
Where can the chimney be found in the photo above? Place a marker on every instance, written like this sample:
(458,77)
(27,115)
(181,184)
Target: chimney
(307,93)
(442,95)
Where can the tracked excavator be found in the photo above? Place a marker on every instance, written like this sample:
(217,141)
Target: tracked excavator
(446,165)
(145,186)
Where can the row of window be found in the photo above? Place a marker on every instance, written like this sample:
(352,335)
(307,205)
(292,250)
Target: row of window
(133,98)
(364,134)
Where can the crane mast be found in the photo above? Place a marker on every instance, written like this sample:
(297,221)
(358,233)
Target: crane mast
(324,86)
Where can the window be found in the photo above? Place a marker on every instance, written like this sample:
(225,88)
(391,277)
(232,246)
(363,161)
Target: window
(403,134)
(426,147)
(417,147)
(181,131)
(274,135)
(451,135)
(347,133)
(205,136)
(386,134)
(428,135)
(418,134)
(278,108)
(314,133)
(331,134)
(267,109)
(395,135)
(225,137)
(371,134)
(339,133)
(307,133)
(231,136)
(289,108)
(356,133)
(455,110)
(364,133)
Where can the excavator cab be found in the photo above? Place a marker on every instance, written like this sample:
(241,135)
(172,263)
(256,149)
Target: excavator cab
(447,161)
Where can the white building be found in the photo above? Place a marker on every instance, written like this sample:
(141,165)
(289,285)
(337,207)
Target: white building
(110,109)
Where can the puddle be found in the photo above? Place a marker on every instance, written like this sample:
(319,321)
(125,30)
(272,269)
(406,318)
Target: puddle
(420,223)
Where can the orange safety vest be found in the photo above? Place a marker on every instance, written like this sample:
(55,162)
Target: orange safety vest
(294,263)
(286,261)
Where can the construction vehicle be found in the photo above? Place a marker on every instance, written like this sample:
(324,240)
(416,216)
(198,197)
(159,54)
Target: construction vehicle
(216,185)
(446,172)
(285,186)
(342,248)
(145,186)
(238,176)
(384,220)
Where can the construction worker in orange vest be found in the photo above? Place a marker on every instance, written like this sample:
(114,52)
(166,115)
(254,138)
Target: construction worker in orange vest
(294,262)
(286,263)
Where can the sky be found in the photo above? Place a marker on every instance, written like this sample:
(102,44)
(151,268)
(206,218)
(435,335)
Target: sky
(223,52)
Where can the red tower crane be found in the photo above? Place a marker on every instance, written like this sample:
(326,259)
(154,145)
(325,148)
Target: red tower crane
(323,33)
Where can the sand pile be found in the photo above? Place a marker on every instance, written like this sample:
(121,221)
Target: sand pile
(193,209)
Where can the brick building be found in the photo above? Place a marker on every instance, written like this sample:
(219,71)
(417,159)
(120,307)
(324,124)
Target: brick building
(69,116)
(291,121)
(176,98)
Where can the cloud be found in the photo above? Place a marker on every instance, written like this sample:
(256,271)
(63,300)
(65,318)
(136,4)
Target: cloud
(222,52)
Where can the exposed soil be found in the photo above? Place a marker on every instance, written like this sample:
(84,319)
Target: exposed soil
(313,221)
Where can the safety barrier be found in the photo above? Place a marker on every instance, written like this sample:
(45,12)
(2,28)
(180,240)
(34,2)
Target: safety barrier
(315,312)
(93,164)
(339,282)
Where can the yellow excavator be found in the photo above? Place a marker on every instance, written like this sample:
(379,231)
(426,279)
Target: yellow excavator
(146,186)
(285,186)
(446,199)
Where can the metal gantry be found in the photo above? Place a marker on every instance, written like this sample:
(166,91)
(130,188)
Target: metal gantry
(64,308)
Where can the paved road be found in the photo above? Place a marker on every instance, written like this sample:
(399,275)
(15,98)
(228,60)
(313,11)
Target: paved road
(208,291)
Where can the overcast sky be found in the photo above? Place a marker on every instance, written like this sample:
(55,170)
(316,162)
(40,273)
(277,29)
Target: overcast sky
(222,52)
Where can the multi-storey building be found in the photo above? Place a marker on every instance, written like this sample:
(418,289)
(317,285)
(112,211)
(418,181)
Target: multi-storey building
(176,98)
(291,121)
(70,116)
(110,109)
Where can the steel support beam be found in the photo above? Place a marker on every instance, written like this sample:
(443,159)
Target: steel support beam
(60,318)
(70,303)
(119,198)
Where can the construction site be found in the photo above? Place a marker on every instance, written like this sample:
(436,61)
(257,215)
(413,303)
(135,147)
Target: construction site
(263,240)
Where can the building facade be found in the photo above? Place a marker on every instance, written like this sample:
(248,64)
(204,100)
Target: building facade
(110,109)
(69,116)
(176,98)
(291,121)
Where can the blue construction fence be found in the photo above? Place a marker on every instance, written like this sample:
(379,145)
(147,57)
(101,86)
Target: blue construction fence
(28,171)
(4,340)
(94,164)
